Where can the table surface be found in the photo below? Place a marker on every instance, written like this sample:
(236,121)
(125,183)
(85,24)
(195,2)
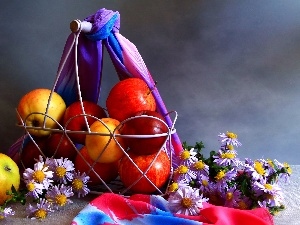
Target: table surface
(292,200)
(65,215)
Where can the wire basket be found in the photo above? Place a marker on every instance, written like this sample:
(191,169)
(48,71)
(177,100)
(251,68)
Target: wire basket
(115,185)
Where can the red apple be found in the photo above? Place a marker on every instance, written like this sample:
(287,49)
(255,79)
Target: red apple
(145,123)
(158,173)
(128,97)
(59,145)
(31,151)
(107,171)
(74,120)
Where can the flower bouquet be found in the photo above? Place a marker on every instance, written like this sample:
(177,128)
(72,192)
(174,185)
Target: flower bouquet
(220,179)
(48,186)
(224,179)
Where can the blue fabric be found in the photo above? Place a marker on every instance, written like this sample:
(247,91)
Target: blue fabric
(116,47)
(104,31)
(91,215)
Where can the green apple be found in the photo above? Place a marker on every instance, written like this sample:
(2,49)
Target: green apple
(32,109)
(9,175)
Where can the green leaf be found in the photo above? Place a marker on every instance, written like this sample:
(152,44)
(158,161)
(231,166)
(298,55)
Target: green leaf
(16,196)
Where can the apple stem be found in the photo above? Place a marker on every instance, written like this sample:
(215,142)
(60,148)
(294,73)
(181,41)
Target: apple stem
(151,90)
(35,123)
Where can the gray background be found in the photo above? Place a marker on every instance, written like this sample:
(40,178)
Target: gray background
(222,65)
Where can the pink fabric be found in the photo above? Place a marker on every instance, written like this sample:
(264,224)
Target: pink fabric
(150,209)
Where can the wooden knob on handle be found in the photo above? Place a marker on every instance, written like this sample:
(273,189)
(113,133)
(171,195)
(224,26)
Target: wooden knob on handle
(77,25)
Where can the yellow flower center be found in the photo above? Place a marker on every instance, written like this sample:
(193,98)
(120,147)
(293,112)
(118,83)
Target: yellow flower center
(220,175)
(228,155)
(60,171)
(40,214)
(186,202)
(229,196)
(268,186)
(199,165)
(270,162)
(182,169)
(77,184)
(230,147)
(287,167)
(39,176)
(258,166)
(204,183)
(173,187)
(30,186)
(185,155)
(242,205)
(231,135)
(60,199)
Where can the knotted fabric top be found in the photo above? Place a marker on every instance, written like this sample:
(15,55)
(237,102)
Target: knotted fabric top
(103,23)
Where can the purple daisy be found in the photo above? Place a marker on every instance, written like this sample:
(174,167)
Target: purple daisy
(256,170)
(35,190)
(40,211)
(186,157)
(183,172)
(203,183)
(40,174)
(187,201)
(229,139)
(286,168)
(199,168)
(226,158)
(270,192)
(63,170)
(232,197)
(6,212)
(245,202)
(176,185)
(59,195)
(79,184)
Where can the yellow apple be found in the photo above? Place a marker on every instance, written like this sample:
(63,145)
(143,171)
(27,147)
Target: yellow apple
(32,109)
(9,175)
(102,147)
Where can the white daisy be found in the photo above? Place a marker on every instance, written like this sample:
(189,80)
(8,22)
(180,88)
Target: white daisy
(6,212)
(40,174)
(58,195)
(187,201)
(34,189)
(40,211)
(79,184)
(63,170)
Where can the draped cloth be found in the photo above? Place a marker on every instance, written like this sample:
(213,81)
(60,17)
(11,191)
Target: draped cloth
(152,210)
